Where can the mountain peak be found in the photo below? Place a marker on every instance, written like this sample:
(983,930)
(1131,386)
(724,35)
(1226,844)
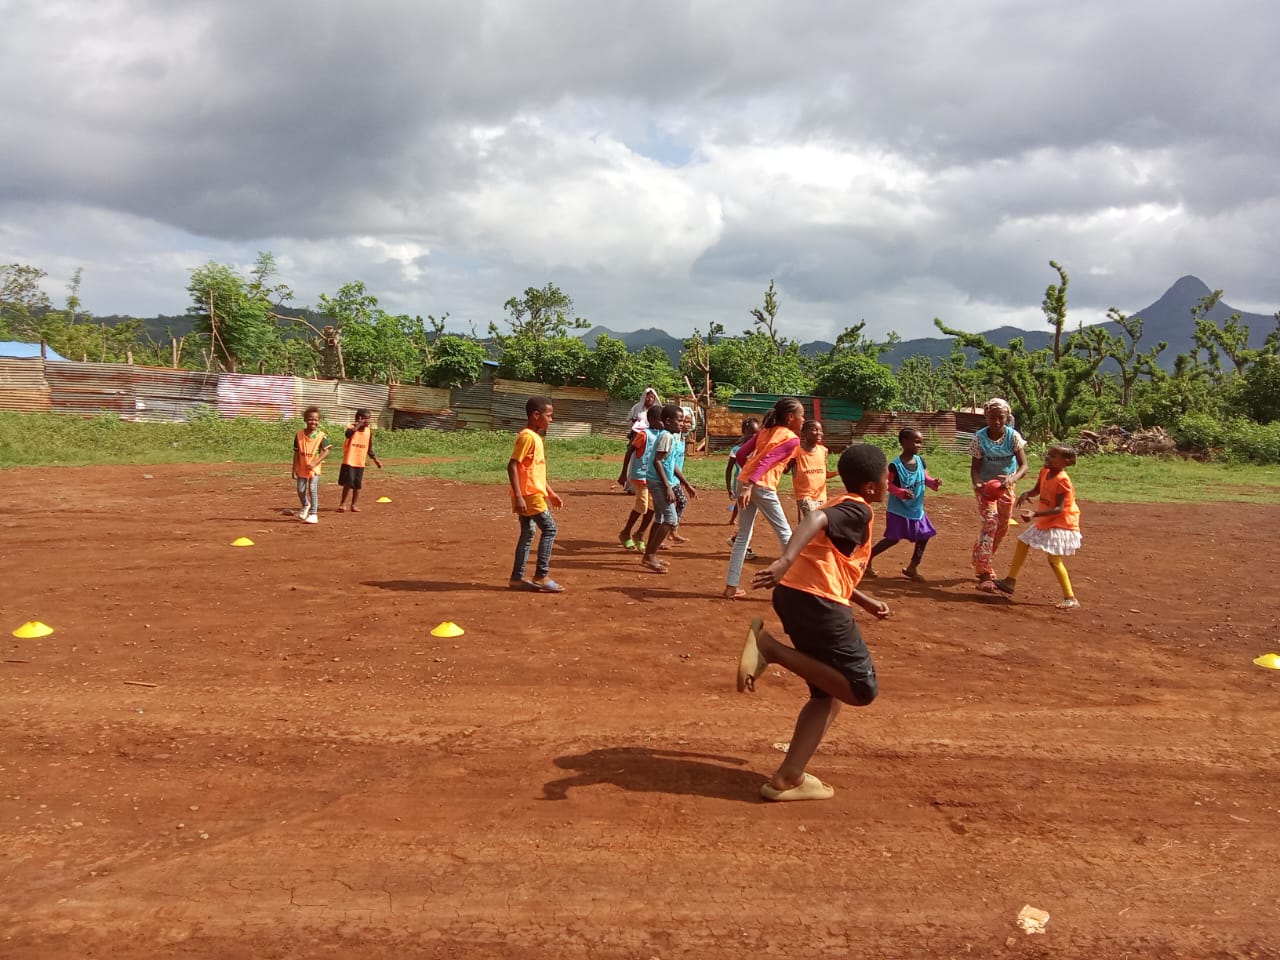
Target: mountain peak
(1187,289)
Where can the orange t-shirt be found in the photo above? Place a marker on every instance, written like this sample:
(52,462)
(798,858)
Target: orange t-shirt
(821,569)
(305,449)
(768,440)
(356,449)
(1052,484)
(530,456)
(811,474)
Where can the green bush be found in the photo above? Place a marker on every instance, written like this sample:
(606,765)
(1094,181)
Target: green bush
(1230,438)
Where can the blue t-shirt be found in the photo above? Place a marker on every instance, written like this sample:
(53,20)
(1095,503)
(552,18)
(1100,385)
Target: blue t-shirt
(677,453)
(912,480)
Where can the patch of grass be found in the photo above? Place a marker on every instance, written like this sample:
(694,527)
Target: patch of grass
(481,457)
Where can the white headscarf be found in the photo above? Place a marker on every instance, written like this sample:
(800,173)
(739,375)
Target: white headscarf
(641,409)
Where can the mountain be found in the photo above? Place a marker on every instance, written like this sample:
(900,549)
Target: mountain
(1168,319)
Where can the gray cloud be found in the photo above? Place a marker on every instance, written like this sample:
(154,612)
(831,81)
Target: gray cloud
(661,162)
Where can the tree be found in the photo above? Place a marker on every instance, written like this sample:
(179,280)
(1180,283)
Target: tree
(922,385)
(766,319)
(539,315)
(1097,342)
(1260,389)
(21,299)
(1231,339)
(236,318)
(853,375)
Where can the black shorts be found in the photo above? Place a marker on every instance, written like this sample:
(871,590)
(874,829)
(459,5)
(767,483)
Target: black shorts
(826,631)
(351,477)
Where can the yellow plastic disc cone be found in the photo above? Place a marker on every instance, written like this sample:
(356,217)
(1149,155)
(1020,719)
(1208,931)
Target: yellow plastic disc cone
(242,542)
(1013,522)
(34,628)
(1269,660)
(383,500)
(448,629)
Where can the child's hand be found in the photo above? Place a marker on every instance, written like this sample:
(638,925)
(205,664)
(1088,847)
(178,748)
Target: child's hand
(902,493)
(879,609)
(933,483)
(555,500)
(769,576)
(693,494)
(519,506)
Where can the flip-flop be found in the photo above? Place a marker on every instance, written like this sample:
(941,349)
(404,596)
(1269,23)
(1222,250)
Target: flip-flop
(654,566)
(546,586)
(1069,604)
(913,576)
(520,585)
(752,662)
(627,542)
(810,788)
(738,594)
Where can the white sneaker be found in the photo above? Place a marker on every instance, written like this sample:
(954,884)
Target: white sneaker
(302,514)
(311,518)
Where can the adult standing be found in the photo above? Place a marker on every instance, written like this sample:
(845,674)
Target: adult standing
(639,420)
(997,453)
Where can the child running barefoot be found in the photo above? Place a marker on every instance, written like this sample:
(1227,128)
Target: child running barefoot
(1057,524)
(310,447)
(683,489)
(810,468)
(764,457)
(731,470)
(356,450)
(906,519)
(635,468)
(530,496)
(815,582)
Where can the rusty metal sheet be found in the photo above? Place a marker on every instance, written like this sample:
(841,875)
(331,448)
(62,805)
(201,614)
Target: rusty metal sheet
(507,411)
(18,374)
(415,399)
(90,389)
(371,396)
(411,420)
(521,387)
(26,401)
(569,429)
(255,396)
(590,394)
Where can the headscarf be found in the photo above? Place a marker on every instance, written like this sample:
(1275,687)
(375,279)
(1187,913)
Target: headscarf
(640,410)
(995,403)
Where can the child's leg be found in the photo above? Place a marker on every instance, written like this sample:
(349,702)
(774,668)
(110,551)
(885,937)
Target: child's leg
(746,522)
(917,555)
(659,533)
(812,723)
(814,672)
(522,548)
(1064,581)
(882,546)
(313,490)
(301,485)
(547,524)
(644,526)
(342,501)
(1015,567)
(771,509)
(984,546)
(355,495)
(625,535)
(1004,510)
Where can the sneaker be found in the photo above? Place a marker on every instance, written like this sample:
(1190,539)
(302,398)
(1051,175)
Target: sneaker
(302,514)
(311,518)
(751,554)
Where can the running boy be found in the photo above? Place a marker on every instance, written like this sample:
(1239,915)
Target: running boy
(356,449)
(530,495)
(683,489)
(635,469)
(815,581)
(811,474)
(310,447)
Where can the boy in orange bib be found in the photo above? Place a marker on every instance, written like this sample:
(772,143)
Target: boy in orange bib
(357,449)
(815,584)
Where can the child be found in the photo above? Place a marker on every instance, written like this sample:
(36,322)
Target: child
(811,474)
(355,449)
(310,447)
(906,520)
(815,584)
(684,489)
(662,482)
(749,428)
(635,468)
(763,459)
(530,494)
(1057,523)
(997,452)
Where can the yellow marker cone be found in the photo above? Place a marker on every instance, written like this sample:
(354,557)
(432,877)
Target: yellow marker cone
(448,629)
(1269,660)
(383,500)
(33,629)
(242,542)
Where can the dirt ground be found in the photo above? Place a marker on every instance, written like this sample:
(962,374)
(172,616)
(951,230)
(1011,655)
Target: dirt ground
(259,753)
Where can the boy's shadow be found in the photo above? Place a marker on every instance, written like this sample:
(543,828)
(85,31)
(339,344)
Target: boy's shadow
(933,590)
(643,770)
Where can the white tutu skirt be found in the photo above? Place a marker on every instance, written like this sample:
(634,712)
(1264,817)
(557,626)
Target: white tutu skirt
(1055,541)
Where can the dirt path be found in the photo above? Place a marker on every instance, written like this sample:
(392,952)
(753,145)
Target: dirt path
(313,774)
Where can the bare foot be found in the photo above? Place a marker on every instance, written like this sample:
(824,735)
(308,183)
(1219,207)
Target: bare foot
(734,593)
(354,508)
(342,508)
(911,573)
(676,538)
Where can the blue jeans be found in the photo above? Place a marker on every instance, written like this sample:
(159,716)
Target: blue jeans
(309,494)
(547,524)
(764,501)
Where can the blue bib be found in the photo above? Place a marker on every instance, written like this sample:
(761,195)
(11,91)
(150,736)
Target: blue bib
(912,480)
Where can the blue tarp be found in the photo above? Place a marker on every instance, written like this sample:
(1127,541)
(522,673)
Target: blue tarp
(12,348)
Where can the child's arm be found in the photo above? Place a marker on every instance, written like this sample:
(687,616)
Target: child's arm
(554,498)
(933,483)
(373,456)
(688,487)
(877,608)
(895,485)
(1053,511)
(975,466)
(1018,474)
(325,447)
(728,475)
(622,476)
(810,527)
(1030,494)
(513,477)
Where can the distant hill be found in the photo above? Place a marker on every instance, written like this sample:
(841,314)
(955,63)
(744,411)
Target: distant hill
(1168,319)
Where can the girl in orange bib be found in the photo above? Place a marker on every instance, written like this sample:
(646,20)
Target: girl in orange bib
(1056,530)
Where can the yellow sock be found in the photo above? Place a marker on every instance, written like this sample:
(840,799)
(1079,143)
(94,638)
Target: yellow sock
(1019,558)
(1060,571)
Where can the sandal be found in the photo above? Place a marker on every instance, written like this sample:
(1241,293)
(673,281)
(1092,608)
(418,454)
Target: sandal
(987,584)
(546,586)
(654,566)
(1071,603)
(738,594)
(912,575)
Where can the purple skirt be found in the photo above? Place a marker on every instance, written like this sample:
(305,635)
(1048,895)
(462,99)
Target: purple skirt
(913,531)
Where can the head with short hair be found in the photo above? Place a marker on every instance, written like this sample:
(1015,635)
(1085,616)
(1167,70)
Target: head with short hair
(906,433)
(309,411)
(671,416)
(654,417)
(750,425)
(1064,452)
(864,470)
(536,404)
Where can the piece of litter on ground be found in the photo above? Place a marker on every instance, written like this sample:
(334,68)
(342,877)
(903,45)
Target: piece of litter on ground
(147,476)
(1032,919)
(782,746)
(138,683)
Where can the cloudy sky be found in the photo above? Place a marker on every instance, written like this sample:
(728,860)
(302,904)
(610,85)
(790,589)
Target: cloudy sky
(659,161)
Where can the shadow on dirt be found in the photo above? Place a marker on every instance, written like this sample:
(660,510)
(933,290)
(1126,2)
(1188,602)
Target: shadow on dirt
(643,770)
(428,585)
